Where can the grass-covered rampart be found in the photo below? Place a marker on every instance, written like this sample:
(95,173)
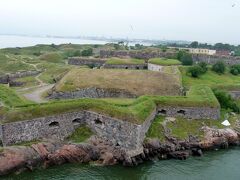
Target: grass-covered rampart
(135,111)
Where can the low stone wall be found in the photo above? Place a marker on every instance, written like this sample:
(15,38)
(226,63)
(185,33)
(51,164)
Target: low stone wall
(155,67)
(81,61)
(136,54)
(5,79)
(91,93)
(229,60)
(190,112)
(235,94)
(125,66)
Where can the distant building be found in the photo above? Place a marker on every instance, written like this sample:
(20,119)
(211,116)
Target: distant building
(197,50)
(223,53)
(202,51)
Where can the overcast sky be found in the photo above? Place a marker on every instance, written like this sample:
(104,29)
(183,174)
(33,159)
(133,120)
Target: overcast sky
(203,20)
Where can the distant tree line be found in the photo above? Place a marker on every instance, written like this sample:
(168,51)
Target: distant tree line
(217,46)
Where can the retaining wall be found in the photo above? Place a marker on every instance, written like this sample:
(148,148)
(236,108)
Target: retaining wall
(135,54)
(80,61)
(229,60)
(235,94)
(91,93)
(125,66)
(155,67)
(190,112)
(5,79)
(126,135)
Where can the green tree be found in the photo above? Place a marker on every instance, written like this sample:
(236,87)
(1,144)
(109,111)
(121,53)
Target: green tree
(195,71)
(194,44)
(203,65)
(186,59)
(235,69)
(87,52)
(219,67)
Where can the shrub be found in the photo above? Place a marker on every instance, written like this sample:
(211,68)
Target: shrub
(226,101)
(219,67)
(186,59)
(203,65)
(235,69)
(87,52)
(195,71)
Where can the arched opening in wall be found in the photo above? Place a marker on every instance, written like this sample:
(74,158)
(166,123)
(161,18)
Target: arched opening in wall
(181,112)
(126,67)
(98,121)
(117,144)
(77,122)
(162,111)
(54,124)
(137,67)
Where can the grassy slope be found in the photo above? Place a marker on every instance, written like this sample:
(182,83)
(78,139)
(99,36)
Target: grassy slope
(164,62)
(80,134)
(119,61)
(211,79)
(151,83)
(9,98)
(135,111)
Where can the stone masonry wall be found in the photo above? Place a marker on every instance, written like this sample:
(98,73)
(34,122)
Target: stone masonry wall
(190,112)
(235,94)
(126,135)
(229,60)
(91,93)
(155,67)
(9,77)
(125,66)
(81,61)
(136,54)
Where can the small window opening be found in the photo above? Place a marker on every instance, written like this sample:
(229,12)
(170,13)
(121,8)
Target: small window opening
(181,112)
(162,111)
(98,121)
(54,124)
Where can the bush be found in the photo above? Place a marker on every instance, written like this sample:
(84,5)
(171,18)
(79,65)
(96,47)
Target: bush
(226,101)
(87,52)
(186,59)
(203,65)
(195,71)
(219,67)
(235,69)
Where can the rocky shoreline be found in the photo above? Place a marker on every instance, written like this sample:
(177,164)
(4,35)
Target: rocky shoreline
(16,159)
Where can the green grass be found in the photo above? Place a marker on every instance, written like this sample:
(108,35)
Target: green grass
(182,128)
(119,61)
(81,134)
(11,65)
(27,143)
(226,81)
(164,62)
(156,129)
(135,111)
(52,57)
(9,97)
(52,71)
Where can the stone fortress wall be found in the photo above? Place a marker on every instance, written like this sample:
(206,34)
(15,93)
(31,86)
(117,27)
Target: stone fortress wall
(5,79)
(125,66)
(81,61)
(92,92)
(229,60)
(127,136)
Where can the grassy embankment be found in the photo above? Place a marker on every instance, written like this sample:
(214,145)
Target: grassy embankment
(119,61)
(225,81)
(181,128)
(80,134)
(151,83)
(135,111)
(164,62)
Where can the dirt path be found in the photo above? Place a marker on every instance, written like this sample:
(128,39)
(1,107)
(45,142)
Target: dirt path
(34,93)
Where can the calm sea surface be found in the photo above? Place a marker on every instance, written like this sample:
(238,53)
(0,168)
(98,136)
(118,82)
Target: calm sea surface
(215,165)
(23,41)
